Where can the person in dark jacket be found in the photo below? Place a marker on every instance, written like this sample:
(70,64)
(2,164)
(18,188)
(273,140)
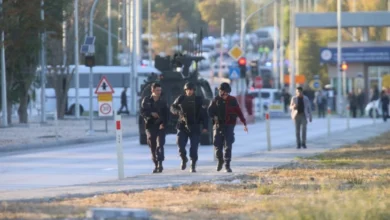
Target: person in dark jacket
(286,99)
(192,115)
(155,112)
(224,110)
(123,102)
(360,101)
(353,104)
(384,103)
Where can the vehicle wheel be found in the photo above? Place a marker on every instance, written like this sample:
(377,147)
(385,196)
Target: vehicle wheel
(371,113)
(142,139)
(72,110)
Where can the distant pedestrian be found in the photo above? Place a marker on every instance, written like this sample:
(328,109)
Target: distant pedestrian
(360,102)
(124,102)
(224,110)
(384,103)
(286,99)
(320,101)
(353,104)
(300,112)
(155,112)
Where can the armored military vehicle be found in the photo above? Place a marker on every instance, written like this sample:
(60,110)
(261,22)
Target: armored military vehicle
(175,72)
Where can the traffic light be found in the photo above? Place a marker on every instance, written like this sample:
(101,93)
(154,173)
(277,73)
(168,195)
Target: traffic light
(90,61)
(242,66)
(343,66)
(255,67)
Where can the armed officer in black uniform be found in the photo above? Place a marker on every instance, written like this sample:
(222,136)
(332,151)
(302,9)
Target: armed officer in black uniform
(155,112)
(191,116)
(224,110)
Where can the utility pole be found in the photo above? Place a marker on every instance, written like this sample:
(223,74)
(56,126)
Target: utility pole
(76,55)
(274,51)
(91,131)
(243,47)
(339,90)
(296,41)
(388,29)
(138,29)
(109,33)
(43,67)
(242,37)
(354,29)
(292,47)
(221,47)
(150,32)
(134,59)
(3,78)
(281,43)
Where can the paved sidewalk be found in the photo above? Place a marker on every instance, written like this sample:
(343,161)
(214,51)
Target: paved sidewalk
(206,171)
(70,131)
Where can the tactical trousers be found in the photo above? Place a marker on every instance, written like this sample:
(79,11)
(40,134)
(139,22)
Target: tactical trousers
(182,138)
(385,113)
(223,138)
(300,121)
(156,141)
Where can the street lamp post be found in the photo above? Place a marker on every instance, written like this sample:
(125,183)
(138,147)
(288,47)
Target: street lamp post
(242,33)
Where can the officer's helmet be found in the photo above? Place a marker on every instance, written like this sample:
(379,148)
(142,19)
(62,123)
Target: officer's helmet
(225,87)
(189,86)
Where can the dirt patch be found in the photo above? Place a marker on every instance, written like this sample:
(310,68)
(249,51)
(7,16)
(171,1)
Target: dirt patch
(352,182)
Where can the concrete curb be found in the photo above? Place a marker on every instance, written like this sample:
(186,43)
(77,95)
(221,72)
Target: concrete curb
(58,144)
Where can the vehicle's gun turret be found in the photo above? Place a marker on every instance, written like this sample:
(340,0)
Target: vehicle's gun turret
(186,61)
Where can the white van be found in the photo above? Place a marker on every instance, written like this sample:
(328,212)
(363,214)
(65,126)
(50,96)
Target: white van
(270,99)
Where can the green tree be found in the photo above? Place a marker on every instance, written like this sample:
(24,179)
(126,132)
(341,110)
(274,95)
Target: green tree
(309,58)
(22,25)
(101,42)
(165,29)
(212,11)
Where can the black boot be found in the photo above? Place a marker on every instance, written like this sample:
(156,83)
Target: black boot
(220,164)
(184,163)
(160,166)
(193,165)
(155,167)
(227,167)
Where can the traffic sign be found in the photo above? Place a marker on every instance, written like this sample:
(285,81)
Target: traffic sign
(105,109)
(104,86)
(236,52)
(234,72)
(258,82)
(316,84)
(105,97)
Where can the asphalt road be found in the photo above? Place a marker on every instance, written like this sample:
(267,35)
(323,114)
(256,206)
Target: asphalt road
(91,163)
